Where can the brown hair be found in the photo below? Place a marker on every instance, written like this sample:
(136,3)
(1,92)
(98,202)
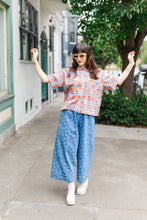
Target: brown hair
(90,64)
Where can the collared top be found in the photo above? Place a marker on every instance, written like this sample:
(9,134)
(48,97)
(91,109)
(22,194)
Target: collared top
(82,94)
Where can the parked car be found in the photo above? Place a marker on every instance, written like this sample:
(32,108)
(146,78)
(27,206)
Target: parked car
(141,77)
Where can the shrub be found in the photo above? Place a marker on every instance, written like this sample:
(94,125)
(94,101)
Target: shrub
(119,110)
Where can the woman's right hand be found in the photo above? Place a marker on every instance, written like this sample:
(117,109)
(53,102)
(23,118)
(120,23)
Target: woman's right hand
(131,57)
(34,51)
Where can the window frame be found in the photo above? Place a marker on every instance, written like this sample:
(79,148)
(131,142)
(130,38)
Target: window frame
(28,29)
(5,91)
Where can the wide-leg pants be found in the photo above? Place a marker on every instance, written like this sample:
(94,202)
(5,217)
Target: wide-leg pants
(73,146)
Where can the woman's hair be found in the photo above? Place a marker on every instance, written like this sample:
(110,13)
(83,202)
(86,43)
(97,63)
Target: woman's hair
(90,64)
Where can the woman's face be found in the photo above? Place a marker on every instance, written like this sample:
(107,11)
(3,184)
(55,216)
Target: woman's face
(80,59)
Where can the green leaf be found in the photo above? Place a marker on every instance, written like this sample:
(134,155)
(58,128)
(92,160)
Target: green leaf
(130,113)
(64,1)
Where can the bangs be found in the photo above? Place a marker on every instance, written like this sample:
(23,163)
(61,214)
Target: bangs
(80,47)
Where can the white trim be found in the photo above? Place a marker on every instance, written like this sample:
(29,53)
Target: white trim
(26,61)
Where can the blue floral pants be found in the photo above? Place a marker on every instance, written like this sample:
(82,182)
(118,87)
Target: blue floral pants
(73,146)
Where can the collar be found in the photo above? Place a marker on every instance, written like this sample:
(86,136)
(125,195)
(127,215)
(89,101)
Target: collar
(79,68)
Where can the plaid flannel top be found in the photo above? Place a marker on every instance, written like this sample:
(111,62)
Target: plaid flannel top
(82,94)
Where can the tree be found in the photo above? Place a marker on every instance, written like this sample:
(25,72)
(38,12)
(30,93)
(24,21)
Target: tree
(122,22)
(103,52)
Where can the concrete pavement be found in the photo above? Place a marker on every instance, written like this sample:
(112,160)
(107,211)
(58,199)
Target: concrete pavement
(117,180)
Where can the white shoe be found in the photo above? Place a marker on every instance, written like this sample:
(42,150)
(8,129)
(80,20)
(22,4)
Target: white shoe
(82,188)
(70,198)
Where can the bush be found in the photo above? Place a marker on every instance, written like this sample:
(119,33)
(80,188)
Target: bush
(119,110)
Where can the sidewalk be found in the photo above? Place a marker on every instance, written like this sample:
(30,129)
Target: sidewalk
(117,181)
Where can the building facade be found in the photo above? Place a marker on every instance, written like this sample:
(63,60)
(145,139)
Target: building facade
(6,68)
(26,24)
(69,37)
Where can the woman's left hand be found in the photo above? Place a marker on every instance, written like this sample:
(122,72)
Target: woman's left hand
(34,51)
(131,57)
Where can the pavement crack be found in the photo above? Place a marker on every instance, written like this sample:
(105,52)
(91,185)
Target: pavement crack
(124,209)
(17,205)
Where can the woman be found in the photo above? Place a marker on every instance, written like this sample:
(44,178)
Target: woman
(83,85)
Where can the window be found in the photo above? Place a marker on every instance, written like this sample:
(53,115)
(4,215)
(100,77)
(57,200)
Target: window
(51,38)
(28,29)
(72,32)
(26,106)
(3,52)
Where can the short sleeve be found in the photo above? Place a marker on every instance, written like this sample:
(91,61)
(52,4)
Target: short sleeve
(57,79)
(109,81)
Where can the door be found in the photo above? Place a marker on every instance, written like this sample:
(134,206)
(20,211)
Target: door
(44,65)
(50,70)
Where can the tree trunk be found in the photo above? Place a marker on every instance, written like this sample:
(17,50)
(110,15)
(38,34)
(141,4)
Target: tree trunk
(103,63)
(127,86)
(124,47)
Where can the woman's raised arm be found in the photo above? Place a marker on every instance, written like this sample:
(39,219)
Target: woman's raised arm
(126,72)
(41,74)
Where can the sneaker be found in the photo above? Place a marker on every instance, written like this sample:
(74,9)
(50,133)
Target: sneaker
(70,198)
(82,188)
